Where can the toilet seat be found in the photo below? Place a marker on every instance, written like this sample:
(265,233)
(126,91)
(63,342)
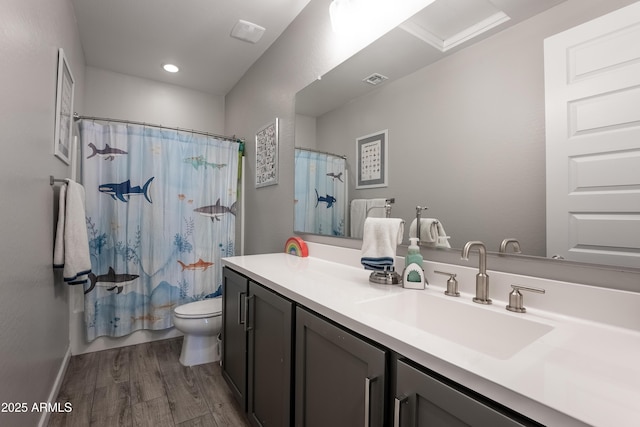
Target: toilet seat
(210,307)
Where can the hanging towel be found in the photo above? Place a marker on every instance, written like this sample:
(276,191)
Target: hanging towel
(71,250)
(379,242)
(431,232)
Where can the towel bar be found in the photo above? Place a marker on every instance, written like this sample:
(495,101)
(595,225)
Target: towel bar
(53,180)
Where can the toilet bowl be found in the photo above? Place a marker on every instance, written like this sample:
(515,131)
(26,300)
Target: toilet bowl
(200,322)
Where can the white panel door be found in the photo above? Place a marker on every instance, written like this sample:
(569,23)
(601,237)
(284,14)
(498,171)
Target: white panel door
(592,96)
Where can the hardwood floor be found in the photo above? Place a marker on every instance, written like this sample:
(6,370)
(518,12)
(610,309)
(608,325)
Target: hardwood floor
(145,385)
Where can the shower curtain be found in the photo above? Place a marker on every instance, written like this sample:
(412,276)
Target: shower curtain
(160,213)
(320,193)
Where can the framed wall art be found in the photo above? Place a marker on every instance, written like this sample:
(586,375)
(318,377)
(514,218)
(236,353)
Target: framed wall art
(372,160)
(267,154)
(64,110)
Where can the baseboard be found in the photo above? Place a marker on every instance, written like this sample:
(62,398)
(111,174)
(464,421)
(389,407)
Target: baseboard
(44,418)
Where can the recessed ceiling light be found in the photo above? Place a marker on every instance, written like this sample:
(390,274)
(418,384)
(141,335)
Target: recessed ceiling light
(171,68)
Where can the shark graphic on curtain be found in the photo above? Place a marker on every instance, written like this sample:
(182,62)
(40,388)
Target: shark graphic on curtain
(160,212)
(320,190)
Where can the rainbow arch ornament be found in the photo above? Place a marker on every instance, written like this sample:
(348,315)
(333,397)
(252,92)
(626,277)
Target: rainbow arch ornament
(296,246)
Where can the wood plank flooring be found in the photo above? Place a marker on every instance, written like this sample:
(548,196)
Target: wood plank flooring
(145,385)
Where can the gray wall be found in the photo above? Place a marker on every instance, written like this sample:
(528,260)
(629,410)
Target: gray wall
(304,52)
(119,96)
(33,302)
(496,87)
(307,49)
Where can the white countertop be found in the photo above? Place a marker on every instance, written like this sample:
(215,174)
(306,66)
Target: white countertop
(582,371)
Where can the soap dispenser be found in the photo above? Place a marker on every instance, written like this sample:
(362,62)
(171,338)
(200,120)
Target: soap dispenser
(413,276)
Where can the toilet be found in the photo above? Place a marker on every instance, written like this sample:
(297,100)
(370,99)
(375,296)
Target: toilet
(200,322)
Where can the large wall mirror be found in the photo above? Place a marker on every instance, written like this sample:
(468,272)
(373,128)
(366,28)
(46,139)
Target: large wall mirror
(464,114)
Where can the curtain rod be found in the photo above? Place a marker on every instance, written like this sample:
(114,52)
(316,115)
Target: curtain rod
(233,138)
(321,152)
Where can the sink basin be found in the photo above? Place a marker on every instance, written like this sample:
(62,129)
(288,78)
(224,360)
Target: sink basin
(497,334)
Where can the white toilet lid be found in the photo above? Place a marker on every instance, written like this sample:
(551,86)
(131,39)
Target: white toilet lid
(206,308)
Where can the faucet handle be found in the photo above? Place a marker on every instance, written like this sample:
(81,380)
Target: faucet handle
(516,299)
(452,284)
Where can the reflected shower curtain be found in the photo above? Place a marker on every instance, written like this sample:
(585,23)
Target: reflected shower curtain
(320,193)
(160,212)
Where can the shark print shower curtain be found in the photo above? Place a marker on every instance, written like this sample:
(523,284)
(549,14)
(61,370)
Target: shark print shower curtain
(320,193)
(160,212)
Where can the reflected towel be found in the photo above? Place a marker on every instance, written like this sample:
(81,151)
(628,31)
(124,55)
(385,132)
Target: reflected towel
(71,249)
(357,215)
(431,232)
(380,238)
(359,209)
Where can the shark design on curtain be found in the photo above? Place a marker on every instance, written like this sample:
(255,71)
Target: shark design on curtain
(320,193)
(158,224)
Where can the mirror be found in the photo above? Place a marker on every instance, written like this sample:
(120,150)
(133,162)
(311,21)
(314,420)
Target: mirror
(466,127)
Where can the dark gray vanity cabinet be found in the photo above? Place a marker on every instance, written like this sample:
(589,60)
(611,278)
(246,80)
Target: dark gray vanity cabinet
(234,336)
(340,378)
(269,325)
(421,399)
(257,349)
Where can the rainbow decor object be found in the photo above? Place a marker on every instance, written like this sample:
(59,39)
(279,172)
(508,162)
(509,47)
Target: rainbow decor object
(296,246)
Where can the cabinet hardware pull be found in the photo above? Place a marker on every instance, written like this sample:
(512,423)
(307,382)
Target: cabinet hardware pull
(247,328)
(396,410)
(367,400)
(240,319)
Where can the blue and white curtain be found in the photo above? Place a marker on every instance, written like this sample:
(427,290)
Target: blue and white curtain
(160,212)
(320,193)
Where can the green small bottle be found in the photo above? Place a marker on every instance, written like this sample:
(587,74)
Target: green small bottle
(413,257)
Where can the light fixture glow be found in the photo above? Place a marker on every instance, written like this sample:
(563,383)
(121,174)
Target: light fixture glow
(357,16)
(171,68)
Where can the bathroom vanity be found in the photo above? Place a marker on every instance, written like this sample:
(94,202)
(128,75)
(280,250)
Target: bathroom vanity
(310,341)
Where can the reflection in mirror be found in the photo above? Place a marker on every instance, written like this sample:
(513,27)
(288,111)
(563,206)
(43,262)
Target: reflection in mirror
(466,126)
(320,201)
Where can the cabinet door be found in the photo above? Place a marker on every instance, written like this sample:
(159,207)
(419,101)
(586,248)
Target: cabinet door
(269,322)
(422,400)
(234,337)
(340,378)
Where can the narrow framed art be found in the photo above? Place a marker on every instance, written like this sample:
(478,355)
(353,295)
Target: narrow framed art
(371,160)
(64,110)
(267,154)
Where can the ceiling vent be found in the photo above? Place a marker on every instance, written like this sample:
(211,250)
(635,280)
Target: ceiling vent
(375,79)
(247,31)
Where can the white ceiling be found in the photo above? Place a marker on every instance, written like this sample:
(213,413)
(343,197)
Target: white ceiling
(136,37)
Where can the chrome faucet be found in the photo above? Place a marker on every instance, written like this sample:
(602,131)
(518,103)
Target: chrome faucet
(514,242)
(482,278)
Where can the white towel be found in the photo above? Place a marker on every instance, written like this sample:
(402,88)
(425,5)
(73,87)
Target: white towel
(379,242)
(72,244)
(431,232)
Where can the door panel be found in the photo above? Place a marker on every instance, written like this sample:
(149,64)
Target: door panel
(592,95)
(269,323)
(340,378)
(234,342)
(422,400)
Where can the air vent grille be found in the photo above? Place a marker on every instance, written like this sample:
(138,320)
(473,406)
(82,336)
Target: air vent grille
(375,79)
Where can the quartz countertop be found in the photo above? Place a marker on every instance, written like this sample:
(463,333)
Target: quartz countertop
(581,372)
